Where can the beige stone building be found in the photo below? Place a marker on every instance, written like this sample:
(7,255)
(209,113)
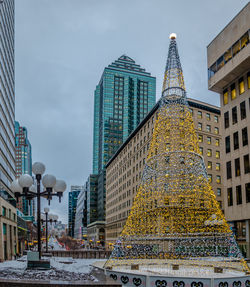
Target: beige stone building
(8,234)
(124,170)
(228,59)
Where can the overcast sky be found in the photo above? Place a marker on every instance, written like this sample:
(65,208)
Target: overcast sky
(62,47)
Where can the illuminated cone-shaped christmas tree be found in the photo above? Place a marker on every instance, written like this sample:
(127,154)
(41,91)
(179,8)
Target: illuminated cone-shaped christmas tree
(175,216)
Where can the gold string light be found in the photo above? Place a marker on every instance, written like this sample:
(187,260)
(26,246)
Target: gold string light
(175,217)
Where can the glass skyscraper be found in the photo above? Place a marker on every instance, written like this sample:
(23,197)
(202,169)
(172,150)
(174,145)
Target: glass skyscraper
(8,218)
(23,163)
(72,204)
(7,99)
(123,97)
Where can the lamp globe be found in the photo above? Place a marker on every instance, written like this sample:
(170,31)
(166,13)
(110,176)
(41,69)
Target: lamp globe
(46,209)
(60,186)
(25,181)
(49,181)
(15,186)
(38,168)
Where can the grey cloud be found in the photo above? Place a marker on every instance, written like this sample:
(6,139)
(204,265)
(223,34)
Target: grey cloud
(62,47)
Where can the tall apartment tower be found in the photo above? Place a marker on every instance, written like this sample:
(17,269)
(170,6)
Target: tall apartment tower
(8,225)
(72,204)
(123,97)
(228,59)
(23,163)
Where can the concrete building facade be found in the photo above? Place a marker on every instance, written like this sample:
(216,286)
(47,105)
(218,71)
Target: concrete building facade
(125,168)
(228,59)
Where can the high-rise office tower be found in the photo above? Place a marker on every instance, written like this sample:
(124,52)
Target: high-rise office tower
(123,97)
(8,240)
(228,58)
(23,163)
(80,229)
(72,204)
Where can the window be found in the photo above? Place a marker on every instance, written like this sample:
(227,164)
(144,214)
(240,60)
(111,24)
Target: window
(199,113)
(208,116)
(228,55)
(217,142)
(230,196)
(208,128)
(243,110)
(218,179)
(227,143)
(225,97)
(236,48)
(220,63)
(209,140)
(246,163)
(233,92)
(234,115)
(244,40)
(229,170)
(216,119)
(247,187)
(199,126)
(3,211)
(241,86)
(209,152)
(209,165)
(218,191)
(216,130)
(237,166)
(217,166)
(236,140)
(4,229)
(217,154)
(210,178)
(244,137)
(201,150)
(200,138)
(226,120)
(238,194)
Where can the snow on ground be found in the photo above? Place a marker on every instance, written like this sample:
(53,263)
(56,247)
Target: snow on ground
(62,268)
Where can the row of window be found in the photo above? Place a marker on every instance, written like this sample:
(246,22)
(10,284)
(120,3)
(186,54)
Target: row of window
(209,140)
(208,116)
(210,153)
(232,90)
(230,200)
(244,136)
(229,54)
(208,128)
(8,213)
(210,178)
(243,114)
(237,166)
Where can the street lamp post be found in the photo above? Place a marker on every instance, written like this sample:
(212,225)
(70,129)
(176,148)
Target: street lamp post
(48,218)
(23,187)
(46,211)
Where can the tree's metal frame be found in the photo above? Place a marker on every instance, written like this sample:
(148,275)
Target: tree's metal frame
(175,217)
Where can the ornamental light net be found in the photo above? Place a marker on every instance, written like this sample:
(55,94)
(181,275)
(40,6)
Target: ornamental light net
(175,218)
